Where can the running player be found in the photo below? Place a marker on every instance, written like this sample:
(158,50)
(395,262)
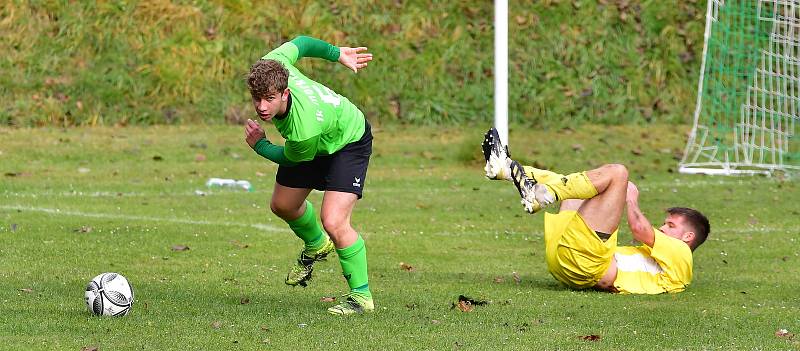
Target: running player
(327,147)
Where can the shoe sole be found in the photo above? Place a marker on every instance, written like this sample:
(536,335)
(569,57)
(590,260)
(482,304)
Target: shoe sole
(493,146)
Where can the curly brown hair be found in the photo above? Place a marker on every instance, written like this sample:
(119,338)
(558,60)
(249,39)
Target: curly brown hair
(267,77)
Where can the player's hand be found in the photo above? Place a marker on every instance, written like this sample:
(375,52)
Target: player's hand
(633,193)
(354,58)
(253,132)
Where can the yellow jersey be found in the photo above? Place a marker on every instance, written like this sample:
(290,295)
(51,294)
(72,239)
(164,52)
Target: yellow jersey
(665,267)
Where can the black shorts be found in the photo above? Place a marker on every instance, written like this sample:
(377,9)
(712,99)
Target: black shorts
(344,170)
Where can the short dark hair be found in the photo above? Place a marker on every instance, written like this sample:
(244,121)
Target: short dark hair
(696,220)
(267,77)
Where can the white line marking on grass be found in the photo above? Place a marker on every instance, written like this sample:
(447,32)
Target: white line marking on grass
(56,211)
(191,193)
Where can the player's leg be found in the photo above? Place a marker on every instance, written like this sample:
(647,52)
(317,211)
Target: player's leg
(344,185)
(581,237)
(337,208)
(570,205)
(290,204)
(603,212)
(537,187)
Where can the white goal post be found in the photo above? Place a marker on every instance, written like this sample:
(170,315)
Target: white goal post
(501,69)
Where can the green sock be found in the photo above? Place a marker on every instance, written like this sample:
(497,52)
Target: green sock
(307,228)
(354,267)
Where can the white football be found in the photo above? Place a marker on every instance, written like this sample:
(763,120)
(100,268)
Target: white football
(109,294)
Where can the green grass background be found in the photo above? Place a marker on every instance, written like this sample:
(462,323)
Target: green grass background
(115,62)
(81,201)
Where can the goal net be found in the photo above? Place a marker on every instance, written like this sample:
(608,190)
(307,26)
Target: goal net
(748,100)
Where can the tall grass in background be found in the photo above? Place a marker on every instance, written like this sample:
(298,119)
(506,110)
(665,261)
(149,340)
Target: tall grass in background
(68,63)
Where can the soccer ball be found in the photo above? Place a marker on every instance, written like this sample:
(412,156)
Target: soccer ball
(109,294)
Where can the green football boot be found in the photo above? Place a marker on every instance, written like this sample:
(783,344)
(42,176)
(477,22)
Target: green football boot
(300,273)
(354,303)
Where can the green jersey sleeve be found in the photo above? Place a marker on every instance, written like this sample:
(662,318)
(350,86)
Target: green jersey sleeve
(303,150)
(303,46)
(312,47)
(286,54)
(272,152)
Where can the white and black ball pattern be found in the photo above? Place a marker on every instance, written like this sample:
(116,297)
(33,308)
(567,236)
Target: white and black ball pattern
(109,294)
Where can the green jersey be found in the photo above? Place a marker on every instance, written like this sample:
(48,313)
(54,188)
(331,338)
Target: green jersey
(319,121)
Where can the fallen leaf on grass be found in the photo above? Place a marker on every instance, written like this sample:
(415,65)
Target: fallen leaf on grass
(464,306)
(216,324)
(498,280)
(90,348)
(27,290)
(466,303)
(264,328)
(327,299)
(517,279)
(244,300)
(407,267)
(784,333)
(180,248)
(411,306)
(592,337)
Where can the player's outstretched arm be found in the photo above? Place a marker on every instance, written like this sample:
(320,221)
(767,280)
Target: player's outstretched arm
(640,227)
(354,58)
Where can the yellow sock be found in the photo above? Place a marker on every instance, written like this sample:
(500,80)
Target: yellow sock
(571,186)
(542,175)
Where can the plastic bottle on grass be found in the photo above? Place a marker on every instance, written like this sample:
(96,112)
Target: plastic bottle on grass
(229,183)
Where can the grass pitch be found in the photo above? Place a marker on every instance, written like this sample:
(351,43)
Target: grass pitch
(78,202)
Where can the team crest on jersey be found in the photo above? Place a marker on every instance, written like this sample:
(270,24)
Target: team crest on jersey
(357,183)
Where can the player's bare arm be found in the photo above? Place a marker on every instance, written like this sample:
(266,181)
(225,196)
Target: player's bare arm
(640,227)
(354,58)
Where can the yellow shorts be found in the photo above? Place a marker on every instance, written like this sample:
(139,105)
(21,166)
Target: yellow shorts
(575,254)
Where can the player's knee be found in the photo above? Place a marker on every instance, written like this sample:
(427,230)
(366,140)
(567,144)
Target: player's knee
(335,224)
(282,209)
(618,171)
